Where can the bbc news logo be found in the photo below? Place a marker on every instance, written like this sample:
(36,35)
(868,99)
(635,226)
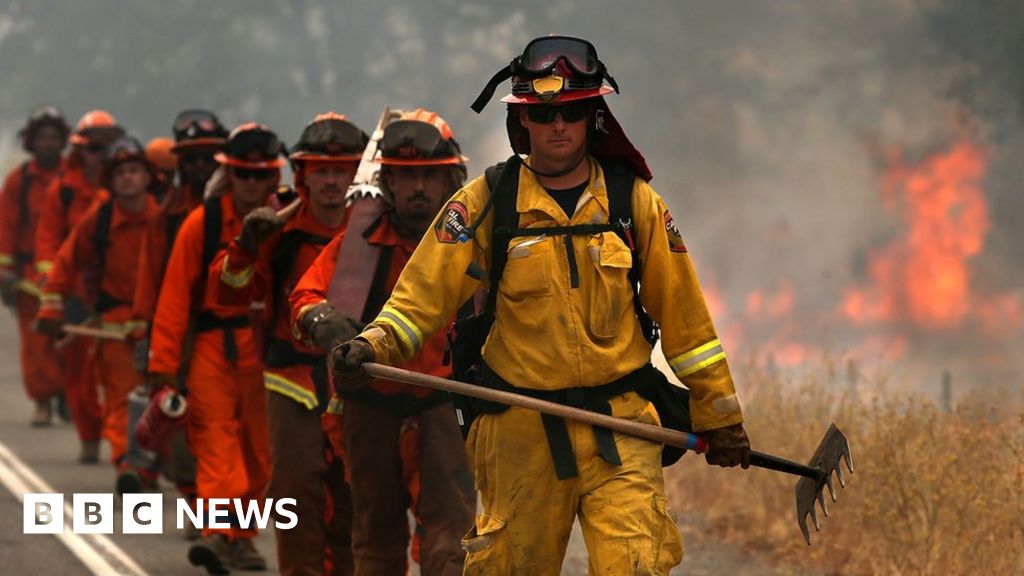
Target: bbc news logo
(144,513)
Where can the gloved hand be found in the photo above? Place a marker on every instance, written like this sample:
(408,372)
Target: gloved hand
(52,327)
(347,360)
(326,326)
(8,288)
(140,354)
(728,446)
(258,226)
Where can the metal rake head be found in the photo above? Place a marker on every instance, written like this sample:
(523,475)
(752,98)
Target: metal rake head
(833,447)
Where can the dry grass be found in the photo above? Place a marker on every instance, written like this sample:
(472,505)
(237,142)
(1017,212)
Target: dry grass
(933,492)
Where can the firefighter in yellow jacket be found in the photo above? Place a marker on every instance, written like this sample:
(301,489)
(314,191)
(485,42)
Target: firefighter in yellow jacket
(566,327)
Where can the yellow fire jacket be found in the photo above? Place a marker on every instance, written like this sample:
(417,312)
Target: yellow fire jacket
(563,322)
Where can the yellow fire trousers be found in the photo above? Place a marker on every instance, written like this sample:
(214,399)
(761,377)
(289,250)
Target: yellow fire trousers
(528,513)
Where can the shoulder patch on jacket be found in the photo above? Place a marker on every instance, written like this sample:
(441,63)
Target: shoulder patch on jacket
(452,222)
(675,239)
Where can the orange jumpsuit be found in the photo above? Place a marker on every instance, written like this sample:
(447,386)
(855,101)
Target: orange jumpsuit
(390,423)
(78,260)
(20,207)
(227,427)
(55,223)
(302,457)
(156,249)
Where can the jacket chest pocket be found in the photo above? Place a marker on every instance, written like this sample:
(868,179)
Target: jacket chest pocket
(610,293)
(527,273)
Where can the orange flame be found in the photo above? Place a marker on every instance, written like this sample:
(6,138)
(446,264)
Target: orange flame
(923,276)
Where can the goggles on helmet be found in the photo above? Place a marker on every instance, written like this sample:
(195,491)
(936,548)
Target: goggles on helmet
(254,173)
(574,58)
(252,143)
(124,149)
(414,142)
(198,127)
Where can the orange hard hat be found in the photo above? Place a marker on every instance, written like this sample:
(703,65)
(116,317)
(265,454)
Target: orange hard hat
(96,126)
(160,152)
(419,138)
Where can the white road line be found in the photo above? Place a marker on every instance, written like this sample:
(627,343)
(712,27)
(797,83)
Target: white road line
(98,552)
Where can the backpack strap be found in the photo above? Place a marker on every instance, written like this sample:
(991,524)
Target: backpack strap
(282,263)
(503,195)
(67,195)
(620,179)
(26,185)
(213,214)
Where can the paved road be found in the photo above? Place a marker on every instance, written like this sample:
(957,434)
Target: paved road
(45,460)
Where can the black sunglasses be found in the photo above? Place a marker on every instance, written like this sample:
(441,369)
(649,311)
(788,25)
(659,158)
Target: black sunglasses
(545,113)
(253,173)
(96,148)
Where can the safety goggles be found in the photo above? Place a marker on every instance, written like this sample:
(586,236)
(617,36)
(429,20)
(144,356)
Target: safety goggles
(201,119)
(414,140)
(122,149)
(255,142)
(542,55)
(253,173)
(545,113)
(95,148)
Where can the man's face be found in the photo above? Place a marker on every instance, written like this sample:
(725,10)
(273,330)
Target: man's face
(47,144)
(252,186)
(557,141)
(92,156)
(328,182)
(129,180)
(197,165)
(419,192)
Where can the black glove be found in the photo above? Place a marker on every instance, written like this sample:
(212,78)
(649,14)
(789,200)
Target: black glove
(52,327)
(728,446)
(257,227)
(347,360)
(8,289)
(326,326)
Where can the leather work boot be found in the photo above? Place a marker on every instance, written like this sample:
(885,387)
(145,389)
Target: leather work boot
(43,414)
(128,482)
(212,553)
(90,453)
(62,407)
(245,556)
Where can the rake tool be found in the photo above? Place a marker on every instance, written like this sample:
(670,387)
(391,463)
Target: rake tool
(815,476)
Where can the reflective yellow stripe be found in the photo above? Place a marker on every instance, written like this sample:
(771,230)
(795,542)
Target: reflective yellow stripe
(51,300)
(133,325)
(6,260)
(236,280)
(121,327)
(276,383)
(700,357)
(335,405)
(44,266)
(28,287)
(406,330)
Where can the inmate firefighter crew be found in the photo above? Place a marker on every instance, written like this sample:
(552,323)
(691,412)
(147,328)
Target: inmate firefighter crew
(227,423)
(101,253)
(264,264)
(421,166)
(198,135)
(67,199)
(566,328)
(44,136)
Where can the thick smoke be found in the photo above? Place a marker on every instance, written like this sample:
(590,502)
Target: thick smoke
(766,123)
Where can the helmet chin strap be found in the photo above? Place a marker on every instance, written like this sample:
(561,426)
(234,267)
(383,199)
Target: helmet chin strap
(558,173)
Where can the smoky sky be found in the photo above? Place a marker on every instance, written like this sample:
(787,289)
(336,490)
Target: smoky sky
(762,121)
